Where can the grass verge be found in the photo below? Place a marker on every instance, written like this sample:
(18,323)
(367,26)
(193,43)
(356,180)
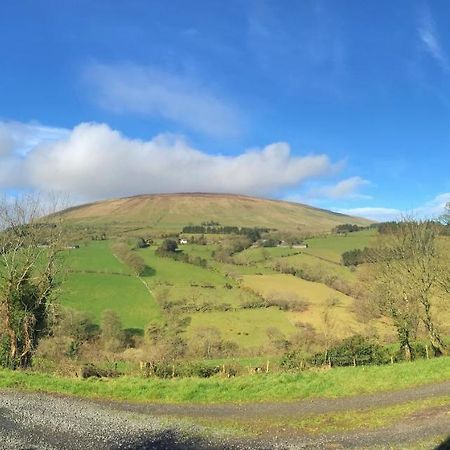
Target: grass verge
(259,388)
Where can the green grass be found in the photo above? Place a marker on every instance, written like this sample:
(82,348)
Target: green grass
(337,421)
(318,266)
(331,247)
(126,295)
(190,283)
(267,387)
(96,256)
(97,280)
(260,254)
(343,322)
(169,270)
(246,327)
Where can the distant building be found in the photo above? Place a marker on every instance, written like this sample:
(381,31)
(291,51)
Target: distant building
(302,245)
(183,241)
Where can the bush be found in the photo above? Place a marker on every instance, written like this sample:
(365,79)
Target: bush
(356,257)
(134,261)
(294,360)
(355,350)
(167,246)
(4,351)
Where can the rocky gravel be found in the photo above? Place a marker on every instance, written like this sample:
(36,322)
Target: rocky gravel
(49,422)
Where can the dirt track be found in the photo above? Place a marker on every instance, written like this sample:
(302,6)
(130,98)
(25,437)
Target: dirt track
(38,421)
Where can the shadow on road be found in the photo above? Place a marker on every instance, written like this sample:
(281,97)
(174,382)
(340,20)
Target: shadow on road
(444,445)
(169,440)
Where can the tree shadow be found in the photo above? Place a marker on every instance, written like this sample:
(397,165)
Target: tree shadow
(132,332)
(170,439)
(445,445)
(148,272)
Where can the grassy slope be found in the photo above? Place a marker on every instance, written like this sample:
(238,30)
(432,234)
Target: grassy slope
(127,296)
(271,387)
(111,286)
(261,254)
(97,256)
(172,212)
(182,281)
(318,265)
(343,322)
(246,327)
(331,247)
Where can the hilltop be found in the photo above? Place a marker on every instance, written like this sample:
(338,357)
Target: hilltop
(173,211)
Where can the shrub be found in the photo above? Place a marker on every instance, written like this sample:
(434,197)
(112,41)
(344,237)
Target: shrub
(353,351)
(294,360)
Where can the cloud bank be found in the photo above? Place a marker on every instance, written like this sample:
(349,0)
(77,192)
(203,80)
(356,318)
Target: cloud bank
(344,189)
(151,92)
(93,161)
(429,210)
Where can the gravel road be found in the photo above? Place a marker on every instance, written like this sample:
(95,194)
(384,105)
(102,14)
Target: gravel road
(48,422)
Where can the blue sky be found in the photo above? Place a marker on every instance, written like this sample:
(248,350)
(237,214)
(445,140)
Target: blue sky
(340,104)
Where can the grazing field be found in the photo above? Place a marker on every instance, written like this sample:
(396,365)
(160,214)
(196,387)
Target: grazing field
(95,256)
(179,281)
(331,247)
(320,298)
(261,254)
(247,327)
(317,266)
(126,295)
(97,280)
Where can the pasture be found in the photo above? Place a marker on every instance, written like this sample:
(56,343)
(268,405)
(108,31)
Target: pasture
(340,321)
(96,280)
(331,247)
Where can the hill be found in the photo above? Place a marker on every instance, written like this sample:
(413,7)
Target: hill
(170,212)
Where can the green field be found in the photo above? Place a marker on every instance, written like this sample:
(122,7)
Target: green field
(97,280)
(318,266)
(95,256)
(319,297)
(261,254)
(126,295)
(332,246)
(179,281)
(246,327)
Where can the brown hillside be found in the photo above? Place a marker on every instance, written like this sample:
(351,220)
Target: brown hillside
(173,211)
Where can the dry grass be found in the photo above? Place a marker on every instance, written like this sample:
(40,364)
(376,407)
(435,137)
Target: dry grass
(172,212)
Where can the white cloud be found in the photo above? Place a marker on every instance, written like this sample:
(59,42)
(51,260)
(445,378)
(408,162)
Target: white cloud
(94,161)
(435,207)
(348,189)
(430,39)
(146,91)
(374,213)
(16,140)
(19,138)
(429,210)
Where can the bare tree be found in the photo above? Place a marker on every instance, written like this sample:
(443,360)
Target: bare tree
(29,251)
(408,272)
